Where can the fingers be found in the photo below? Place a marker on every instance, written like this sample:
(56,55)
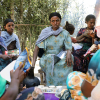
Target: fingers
(20,66)
(11,72)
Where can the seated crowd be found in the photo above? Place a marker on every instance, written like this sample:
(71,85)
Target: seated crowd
(78,69)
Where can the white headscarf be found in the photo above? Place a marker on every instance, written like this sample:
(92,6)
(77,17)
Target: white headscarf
(45,33)
(9,38)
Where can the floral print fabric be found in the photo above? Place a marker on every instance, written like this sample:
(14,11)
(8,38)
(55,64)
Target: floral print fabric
(53,45)
(74,82)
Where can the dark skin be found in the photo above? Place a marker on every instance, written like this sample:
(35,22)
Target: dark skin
(88,31)
(86,88)
(17,77)
(55,22)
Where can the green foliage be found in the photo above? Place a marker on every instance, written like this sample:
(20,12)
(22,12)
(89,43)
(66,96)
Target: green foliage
(34,14)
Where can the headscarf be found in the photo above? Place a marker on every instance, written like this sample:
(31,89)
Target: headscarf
(2,43)
(9,38)
(45,33)
(94,65)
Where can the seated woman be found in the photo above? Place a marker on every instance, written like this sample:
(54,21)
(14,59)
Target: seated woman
(91,85)
(81,85)
(4,59)
(11,40)
(52,39)
(85,35)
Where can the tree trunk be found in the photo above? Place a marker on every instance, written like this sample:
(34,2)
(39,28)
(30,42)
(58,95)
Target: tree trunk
(12,9)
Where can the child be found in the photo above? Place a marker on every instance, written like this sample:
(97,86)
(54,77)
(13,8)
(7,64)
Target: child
(70,28)
(11,39)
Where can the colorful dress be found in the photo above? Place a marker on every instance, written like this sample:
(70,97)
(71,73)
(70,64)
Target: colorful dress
(74,82)
(75,78)
(81,63)
(53,45)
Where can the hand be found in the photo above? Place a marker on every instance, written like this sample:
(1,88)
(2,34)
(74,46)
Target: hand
(87,33)
(73,40)
(93,48)
(18,74)
(69,58)
(92,33)
(79,41)
(5,57)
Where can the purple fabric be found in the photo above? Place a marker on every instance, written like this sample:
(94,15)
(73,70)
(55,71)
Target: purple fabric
(50,96)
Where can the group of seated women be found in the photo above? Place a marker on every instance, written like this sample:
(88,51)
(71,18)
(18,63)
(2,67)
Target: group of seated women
(54,41)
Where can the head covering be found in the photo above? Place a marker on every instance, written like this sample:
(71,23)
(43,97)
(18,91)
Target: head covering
(2,43)
(54,14)
(9,38)
(94,65)
(45,33)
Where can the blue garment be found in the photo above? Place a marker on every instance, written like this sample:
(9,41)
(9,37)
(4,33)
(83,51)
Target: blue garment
(94,66)
(53,45)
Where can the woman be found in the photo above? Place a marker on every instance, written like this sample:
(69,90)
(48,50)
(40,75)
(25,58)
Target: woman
(85,35)
(11,40)
(52,39)
(4,59)
(81,85)
(91,85)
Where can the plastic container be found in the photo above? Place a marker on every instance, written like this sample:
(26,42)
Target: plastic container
(50,96)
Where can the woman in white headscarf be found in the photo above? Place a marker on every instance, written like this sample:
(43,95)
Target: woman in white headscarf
(52,40)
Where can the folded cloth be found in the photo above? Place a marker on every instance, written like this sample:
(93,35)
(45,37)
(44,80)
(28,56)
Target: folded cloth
(77,46)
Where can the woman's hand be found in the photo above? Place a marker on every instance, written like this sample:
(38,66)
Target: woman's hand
(69,58)
(5,57)
(87,33)
(92,33)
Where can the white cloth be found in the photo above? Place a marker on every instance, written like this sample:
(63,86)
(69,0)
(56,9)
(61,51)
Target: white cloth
(9,38)
(77,46)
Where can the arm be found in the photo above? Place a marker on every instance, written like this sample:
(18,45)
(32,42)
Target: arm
(35,53)
(74,40)
(68,48)
(81,36)
(5,57)
(16,78)
(86,88)
(69,59)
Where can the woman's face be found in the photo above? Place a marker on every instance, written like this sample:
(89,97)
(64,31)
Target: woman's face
(9,27)
(91,23)
(55,22)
